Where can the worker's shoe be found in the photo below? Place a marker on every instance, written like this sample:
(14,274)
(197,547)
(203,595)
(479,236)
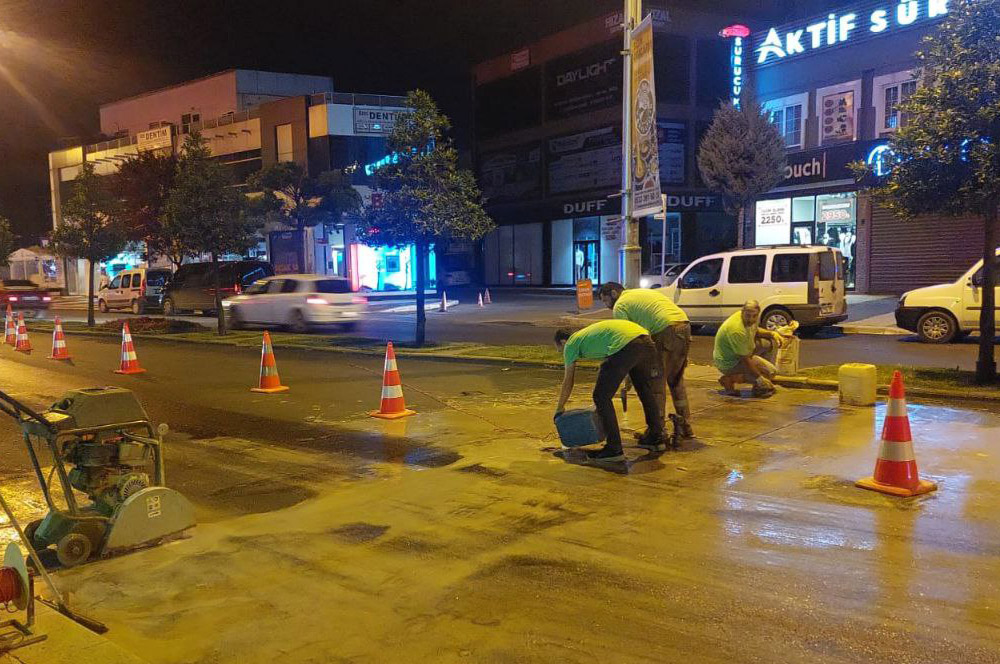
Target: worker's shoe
(651,443)
(763,388)
(606,455)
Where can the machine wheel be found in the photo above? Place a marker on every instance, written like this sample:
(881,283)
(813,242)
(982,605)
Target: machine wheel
(297,322)
(775,318)
(102,306)
(137,307)
(30,530)
(73,549)
(236,321)
(168,307)
(936,327)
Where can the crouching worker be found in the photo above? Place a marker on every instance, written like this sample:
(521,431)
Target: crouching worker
(626,350)
(736,353)
(671,334)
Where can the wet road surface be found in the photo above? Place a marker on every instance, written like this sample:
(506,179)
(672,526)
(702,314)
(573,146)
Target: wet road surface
(465,534)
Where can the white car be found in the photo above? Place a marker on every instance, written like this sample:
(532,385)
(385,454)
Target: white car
(298,302)
(939,314)
(792,283)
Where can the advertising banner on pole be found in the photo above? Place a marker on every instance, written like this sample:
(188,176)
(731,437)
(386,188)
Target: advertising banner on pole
(645,150)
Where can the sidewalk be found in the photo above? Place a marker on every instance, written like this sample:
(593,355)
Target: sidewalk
(67,643)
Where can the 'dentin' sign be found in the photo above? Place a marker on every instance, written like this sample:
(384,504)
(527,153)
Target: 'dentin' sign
(835,29)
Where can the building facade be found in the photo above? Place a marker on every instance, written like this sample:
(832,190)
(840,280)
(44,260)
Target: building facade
(548,150)
(252,120)
(833,84)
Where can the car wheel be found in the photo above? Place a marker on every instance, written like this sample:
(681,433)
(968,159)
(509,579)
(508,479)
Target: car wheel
(936,327)
(775,318)
(236,321)
(297,322)
(137,307)
(168,307)
(102,306)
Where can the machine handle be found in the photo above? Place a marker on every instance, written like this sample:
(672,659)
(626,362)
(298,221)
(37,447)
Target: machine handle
(17,410)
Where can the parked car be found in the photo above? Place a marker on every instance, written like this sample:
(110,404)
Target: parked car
(193,285)
(653,278)
(137,289)
(939,314)
(298,302)
(24,295)
(791,282)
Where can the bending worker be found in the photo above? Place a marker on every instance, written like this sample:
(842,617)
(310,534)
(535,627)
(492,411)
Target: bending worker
(626,350)
(671,333)
(736,353)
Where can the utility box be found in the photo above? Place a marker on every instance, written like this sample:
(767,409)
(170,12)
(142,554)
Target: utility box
(580,426)
(858,384)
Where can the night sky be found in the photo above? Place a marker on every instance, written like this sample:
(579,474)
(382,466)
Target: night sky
(61,59)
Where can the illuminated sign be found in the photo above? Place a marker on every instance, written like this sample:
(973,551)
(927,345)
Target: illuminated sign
(738,33)
(393,158)
(837,29)
(880,160)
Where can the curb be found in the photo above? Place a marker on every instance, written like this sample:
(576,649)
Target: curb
(802,382)
(873,329)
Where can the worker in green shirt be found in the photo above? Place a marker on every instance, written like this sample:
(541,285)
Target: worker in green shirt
(735,353)
(670,331)
(626,350)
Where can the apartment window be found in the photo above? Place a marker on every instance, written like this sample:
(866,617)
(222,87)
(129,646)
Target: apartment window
(894,95)
(788,120)
(283,139)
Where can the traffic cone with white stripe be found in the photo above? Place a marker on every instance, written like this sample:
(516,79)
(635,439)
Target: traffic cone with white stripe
(59,350)
(10,329)
(269,382)
(130,363)
(487,299)
(22,344)
(393,406)
(444,302)
(481,305)
(896,467)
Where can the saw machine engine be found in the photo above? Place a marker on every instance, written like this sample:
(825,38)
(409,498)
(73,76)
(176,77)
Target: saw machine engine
(108,468)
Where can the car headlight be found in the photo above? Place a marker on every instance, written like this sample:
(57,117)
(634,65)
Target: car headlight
(644,282)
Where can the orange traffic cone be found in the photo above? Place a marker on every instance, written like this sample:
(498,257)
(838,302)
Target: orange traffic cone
(487,299)
(59,350)
(130,363)
(269,382)
(481,301)
(10,329)
(22,344)
(896,467)
(393,407)
(444,302)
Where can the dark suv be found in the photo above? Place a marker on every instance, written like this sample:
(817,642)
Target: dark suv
(193,285)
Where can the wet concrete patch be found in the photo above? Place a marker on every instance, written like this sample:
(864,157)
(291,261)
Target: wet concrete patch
(255,495)
(359,532)
(412,545)
(480,469)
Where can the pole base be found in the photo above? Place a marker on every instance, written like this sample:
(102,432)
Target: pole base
(391,416)
(925,486)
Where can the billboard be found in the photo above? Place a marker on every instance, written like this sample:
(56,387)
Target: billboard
(588,160)
(154,139)
(583,82)
(376,120)
(774,221)
(642,106)
(672,139)
(511,174)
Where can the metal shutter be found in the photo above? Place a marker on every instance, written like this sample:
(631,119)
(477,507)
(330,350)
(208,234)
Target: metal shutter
(923,251)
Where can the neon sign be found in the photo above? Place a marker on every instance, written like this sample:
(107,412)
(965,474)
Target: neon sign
(738,33)
(838,29)
(880,160)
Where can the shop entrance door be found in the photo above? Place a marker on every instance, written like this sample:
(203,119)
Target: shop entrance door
(586,260)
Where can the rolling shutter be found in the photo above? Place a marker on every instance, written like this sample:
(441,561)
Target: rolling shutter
(923,251)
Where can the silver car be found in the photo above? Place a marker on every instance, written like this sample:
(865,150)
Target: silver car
(298,302)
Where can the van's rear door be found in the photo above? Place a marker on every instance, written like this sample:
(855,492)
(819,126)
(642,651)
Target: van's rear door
(828,280)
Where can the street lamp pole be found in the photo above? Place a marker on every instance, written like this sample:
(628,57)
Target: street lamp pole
(631,252)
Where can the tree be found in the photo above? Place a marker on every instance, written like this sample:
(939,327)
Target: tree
(427,197)
(7,241)
(90,228)
(207,212)
(741,156)
(295,199)
(142,185)
(946,154)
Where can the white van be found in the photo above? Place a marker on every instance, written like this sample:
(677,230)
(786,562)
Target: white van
(941,313)
(804,283)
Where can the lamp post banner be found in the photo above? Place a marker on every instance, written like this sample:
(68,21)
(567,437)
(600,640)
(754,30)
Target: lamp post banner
(645,150)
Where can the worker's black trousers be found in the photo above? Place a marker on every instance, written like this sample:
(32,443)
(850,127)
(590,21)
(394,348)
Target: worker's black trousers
(640,361)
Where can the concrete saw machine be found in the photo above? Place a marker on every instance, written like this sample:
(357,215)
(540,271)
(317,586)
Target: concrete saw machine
(102,445)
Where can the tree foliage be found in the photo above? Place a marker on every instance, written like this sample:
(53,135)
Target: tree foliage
(426,196)
(8,241)
(295,199)
(741,156)
(945,158)
(142,185)
(207,212)
(90,228)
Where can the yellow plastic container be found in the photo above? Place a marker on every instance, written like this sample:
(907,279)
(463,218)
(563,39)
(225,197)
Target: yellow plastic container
(857,384)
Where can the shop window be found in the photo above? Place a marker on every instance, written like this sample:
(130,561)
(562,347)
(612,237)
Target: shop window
(703,275)
(788,121)
(803,209)
(894,95)
(747,269)
(788,268)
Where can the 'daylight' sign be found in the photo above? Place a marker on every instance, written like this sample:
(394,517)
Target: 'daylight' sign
(835,29)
